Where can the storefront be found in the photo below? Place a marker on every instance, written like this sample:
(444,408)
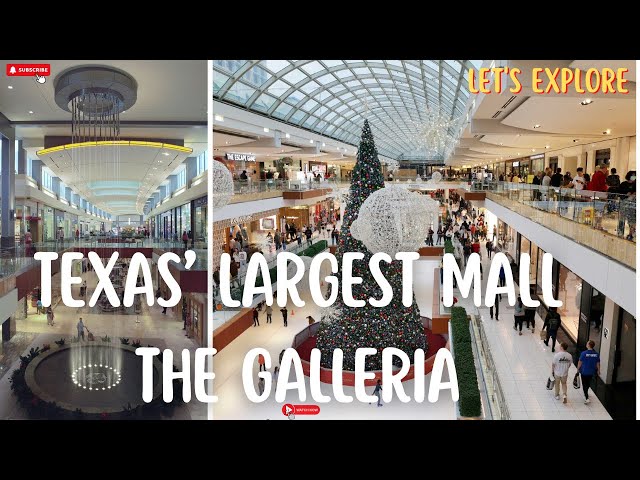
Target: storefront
(507,239)
(193,305)
(49,224)
(200,219)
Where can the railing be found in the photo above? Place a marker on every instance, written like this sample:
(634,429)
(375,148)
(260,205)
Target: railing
(241,187)
(306,333)
(611,213)
(497,401)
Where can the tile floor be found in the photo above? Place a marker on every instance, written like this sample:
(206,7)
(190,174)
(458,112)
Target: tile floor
(524,364)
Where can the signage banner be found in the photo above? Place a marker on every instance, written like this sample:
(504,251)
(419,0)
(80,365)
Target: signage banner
(241,157)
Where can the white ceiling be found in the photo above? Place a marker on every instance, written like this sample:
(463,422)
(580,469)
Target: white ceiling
(118,179)
(173,92)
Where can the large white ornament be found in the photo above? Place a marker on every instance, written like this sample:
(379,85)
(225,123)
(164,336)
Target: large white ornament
(393,220)
(221,184)
(436,176)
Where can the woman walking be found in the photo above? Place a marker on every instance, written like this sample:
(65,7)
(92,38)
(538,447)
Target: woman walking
(518,315)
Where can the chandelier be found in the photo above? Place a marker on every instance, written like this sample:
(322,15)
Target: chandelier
(434,132)
(95,96)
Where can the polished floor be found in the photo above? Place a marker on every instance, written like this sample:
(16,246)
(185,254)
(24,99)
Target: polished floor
(151,327)
(524,364)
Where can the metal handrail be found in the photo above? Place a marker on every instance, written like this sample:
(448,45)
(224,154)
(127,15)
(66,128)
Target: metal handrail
(498,402)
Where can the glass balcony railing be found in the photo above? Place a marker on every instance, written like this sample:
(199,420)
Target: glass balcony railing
(611,213)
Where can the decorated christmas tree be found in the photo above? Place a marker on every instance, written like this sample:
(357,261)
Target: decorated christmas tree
(351,328)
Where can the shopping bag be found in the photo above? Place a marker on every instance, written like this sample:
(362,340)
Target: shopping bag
(550,382)
(576,381)
(543,335)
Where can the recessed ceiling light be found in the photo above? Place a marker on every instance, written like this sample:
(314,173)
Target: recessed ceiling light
(607,131)
(166,154)
(537,125)
(30,112)
(218,118)
(287,135)
(323,144)
(266,130)
(517,135)
(310,141)
(501,144)
(10,87)
(533,149)
(518,153)
(547,146)
(586,101)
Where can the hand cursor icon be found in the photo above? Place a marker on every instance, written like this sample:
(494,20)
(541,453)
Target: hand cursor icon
(40,79)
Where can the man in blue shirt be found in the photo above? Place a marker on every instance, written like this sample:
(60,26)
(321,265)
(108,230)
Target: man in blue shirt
(588,366)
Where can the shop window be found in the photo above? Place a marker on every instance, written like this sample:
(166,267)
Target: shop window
(570,293)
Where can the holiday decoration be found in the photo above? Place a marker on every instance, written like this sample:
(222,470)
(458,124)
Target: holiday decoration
(221,185)
(394,220)
(351,328)
(436,177)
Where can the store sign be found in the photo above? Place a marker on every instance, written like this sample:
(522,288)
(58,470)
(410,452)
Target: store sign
(200,202)
(540,155)
(516,164)
(241,157)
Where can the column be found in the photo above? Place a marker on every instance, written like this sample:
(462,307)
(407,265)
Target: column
(22,159)
(36,171)
(590,165)
(620,156)
(8,192)
(55,185)
(192,168)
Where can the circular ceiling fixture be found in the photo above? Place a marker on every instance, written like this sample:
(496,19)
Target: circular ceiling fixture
(95,91)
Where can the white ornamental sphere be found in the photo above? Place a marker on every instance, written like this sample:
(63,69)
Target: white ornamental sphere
(393,220)
(221,184)
(436,176)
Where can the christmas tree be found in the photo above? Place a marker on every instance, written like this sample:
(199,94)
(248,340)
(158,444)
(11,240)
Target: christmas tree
(351,328)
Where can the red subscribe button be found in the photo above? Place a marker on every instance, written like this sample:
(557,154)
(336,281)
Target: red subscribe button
(289,410)
(28,69)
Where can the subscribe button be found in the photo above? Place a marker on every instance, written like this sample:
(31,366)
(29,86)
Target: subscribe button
(28,69)
(289,409)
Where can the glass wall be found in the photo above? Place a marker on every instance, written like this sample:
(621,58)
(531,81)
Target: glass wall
(532,249)
(201,162)
(570,294)
(185,219)
(507,237)
(200,219)
(49,224)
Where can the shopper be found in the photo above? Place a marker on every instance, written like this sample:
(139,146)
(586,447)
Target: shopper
(80,327)
(440,235)
(276,374)
(579,181)
(261,363)
(284,312)
(502,277)
(613,180)
(588,366)
(552,323)
(269,311)
(518,315)
(39,307)
(560,370)
(185,239)
(489,246)
(256,322)
(599,181)
(530,318)
(308,234)
(496,305)
(280,357)
(77,235)
(260,386)
(556,178)
(378,392)
(546,180)
(50,316)
(83,289)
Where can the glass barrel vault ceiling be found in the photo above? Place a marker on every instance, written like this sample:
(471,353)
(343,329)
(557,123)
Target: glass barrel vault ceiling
(333,97)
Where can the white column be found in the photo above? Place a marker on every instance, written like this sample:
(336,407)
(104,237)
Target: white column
(590,167)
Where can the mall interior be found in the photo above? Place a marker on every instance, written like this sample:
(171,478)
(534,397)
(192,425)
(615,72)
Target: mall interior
(288,132)
(103,156)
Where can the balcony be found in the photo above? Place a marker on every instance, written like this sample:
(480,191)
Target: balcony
(604,222)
